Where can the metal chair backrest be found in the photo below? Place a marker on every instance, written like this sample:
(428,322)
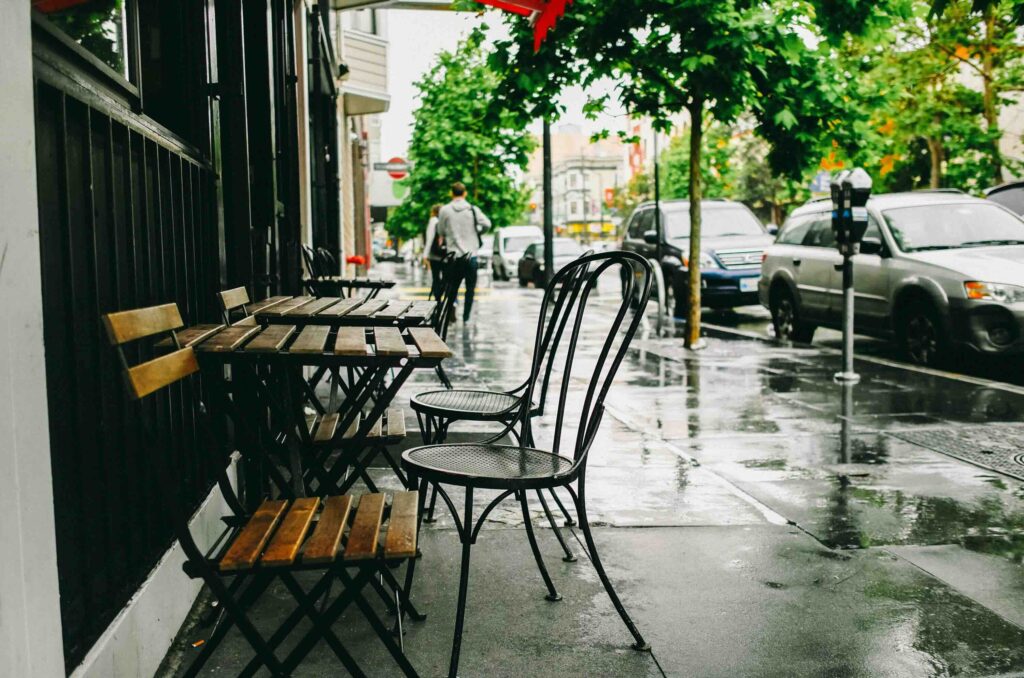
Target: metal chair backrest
(567,297)
(231,301)
(451,278)
(312,266)
(327,262)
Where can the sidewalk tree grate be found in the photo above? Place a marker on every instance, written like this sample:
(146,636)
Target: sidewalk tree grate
(996,447)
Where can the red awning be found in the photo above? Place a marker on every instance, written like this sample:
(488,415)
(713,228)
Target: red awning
(544,13)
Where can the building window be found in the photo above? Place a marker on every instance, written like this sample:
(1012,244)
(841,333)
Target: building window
(363,20)
(97,25)
(572,180)
(574,208)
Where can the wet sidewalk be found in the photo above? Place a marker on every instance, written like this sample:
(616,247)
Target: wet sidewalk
(754,522)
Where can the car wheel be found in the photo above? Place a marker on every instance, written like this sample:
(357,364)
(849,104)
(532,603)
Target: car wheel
(523,282)
(786,318)
(922,337)
(538,279)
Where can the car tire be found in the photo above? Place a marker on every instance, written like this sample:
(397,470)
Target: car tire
(538,279)
(523,282)
(922,336)
(786,318)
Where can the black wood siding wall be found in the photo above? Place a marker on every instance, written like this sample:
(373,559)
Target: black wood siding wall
(127,219)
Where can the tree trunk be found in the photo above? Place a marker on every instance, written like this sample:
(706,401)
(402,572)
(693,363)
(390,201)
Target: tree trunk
(989,97)
(696,109)
(936,154)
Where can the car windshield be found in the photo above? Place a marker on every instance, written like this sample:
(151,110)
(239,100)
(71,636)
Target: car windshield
(717,222)
(567,248)
(519,243)
(953,226)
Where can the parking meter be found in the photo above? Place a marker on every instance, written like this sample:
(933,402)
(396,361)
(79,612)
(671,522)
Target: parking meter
(856,189)
(838,218)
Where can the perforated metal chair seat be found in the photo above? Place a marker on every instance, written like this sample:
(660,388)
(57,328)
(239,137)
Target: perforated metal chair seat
(490,466)
(466,404)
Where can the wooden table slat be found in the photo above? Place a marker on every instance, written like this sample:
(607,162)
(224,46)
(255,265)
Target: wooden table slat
(419,309)
(322,547)
(341,308)
(190,336)
(289,537)
(351,341)
(325,431)
(393,310)
(429,344)
(362,538)
(271,339)
(313,339)
(368,308)
(285,306)
(396,422)
(400,540)
(254,307)
(228,339)
(313,307)
(389,342)
(250,541)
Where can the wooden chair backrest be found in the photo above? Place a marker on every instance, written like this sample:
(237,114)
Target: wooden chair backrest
(152,375)
(232,299)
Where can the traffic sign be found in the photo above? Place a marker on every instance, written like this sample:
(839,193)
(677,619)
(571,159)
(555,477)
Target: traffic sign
(397,168)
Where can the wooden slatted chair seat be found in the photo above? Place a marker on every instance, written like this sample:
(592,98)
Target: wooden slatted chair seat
(314,531)
(323,429)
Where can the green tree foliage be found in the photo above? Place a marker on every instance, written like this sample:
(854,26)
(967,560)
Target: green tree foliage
(454,139)
(714,59)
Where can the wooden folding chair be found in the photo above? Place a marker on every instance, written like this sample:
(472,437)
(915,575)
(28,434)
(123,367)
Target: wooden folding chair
(354,540)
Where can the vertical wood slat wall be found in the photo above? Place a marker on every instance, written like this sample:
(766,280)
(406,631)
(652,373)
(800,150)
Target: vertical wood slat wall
(126,220)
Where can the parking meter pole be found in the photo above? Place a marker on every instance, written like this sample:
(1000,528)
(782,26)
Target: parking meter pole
(847,376)
(549,221)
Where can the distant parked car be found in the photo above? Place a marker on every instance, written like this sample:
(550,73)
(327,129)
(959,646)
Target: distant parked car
(531,265)
(1010,196)
(483,255)
(732,242)
(509,244)
(937,271)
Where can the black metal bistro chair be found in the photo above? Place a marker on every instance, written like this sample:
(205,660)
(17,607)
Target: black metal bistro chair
(516,469)
(437,410)
(441,317)
(281,538)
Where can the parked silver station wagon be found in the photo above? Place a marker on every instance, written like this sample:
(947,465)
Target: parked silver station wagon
(938,270)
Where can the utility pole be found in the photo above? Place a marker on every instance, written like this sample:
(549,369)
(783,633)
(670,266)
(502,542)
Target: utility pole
(549,221)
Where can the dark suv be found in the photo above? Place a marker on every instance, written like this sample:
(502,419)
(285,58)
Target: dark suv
(732,242)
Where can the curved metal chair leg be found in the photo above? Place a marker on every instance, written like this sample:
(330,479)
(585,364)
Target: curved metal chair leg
(553,594)
(460,609)
(569,556)
(433,502)
(639,643)
(569,522)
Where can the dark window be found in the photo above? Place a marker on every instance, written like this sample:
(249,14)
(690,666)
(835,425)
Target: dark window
(97,25)
(794,230)
(820,233)
(642,221)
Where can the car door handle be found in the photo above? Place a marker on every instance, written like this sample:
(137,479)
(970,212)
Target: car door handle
(796,262)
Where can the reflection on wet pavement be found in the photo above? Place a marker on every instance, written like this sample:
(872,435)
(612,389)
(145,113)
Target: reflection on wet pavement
(747,435)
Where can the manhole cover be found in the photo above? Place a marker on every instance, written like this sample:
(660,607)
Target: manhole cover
(997,447)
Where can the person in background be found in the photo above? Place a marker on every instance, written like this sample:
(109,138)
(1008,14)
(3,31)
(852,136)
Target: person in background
(460,225)
(433,252)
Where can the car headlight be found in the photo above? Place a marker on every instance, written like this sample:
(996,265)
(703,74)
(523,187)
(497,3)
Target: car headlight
(1006,294)
(706,261)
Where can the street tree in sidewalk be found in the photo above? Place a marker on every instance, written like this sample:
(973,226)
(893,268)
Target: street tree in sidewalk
(712,59)
(454,139)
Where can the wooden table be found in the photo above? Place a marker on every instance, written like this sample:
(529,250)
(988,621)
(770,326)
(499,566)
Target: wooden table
(339,312)
(338,285)
(269,397)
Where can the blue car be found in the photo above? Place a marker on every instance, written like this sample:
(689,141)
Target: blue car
(733,241)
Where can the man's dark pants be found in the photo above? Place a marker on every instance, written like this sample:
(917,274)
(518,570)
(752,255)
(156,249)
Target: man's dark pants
(466,270)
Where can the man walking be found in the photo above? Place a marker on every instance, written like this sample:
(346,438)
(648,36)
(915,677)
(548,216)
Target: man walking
(460,225)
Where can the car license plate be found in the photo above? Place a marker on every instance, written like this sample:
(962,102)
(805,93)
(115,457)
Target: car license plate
(748,284)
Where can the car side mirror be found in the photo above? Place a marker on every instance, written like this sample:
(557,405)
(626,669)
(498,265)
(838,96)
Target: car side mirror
(872,246)
(651,237)
(773,229)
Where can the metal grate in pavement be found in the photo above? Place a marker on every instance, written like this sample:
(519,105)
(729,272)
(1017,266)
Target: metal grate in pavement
(997,447)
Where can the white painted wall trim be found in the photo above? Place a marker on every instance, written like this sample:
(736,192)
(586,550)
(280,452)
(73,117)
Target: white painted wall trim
(138,639)
(30,626)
